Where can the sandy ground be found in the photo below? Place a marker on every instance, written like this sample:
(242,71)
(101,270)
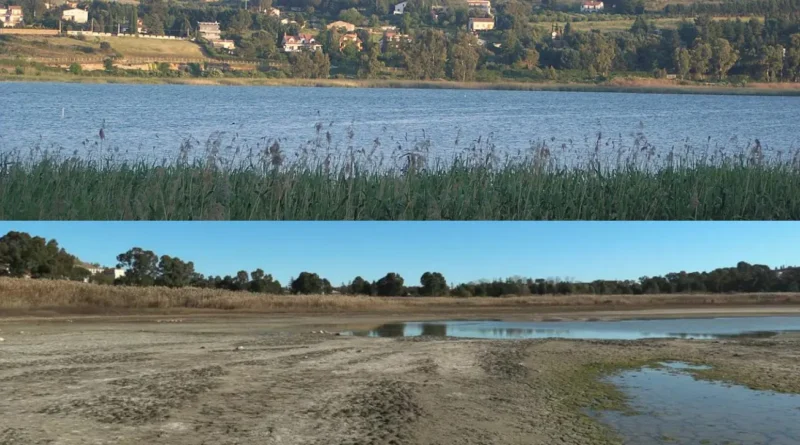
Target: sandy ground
(152,380)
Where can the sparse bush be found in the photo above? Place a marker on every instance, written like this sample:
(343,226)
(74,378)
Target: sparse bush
(75,68)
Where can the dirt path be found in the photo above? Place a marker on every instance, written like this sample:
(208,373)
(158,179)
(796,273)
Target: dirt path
(160,382)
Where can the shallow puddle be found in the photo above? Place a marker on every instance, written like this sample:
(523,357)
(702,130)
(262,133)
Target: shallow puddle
(673,408)
(695,328)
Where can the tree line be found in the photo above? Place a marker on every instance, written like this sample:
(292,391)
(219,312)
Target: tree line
(23,255)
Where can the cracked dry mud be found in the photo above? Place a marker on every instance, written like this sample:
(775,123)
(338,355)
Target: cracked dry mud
(133,383)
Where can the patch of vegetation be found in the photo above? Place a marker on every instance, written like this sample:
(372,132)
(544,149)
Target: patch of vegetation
(406,183)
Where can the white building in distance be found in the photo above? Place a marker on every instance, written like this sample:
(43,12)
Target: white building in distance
(400,8)
(76,15)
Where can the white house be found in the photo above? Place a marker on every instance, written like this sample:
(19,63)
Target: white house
(400,8)
(76,15)
(481,24)
(592,6)
(293,44)
(11,16)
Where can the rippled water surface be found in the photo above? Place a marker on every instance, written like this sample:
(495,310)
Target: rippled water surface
(698,328)
(151,121)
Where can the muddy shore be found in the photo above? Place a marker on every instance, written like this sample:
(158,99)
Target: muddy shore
(269,380)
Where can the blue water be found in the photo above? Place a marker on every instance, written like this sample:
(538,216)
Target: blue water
(152,121)
(695,328)
(673,408)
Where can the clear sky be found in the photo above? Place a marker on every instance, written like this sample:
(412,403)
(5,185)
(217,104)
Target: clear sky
(462,251)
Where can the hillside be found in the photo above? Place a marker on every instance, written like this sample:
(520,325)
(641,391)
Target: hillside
(42,48)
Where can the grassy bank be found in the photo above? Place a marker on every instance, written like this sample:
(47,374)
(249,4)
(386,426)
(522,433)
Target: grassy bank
(22,295)
(617,85)
(403,185)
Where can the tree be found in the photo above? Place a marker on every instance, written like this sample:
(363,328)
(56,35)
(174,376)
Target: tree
(701,59)
(426,56)
(770,63)
(322,65)
(793,57)
(174,272)
(723,57)
(79,274)
(263,283)
(463,58)
(240,22)
(133,21)
(360,286)
(351,16)
(108,64)
(369,65)
(307,283)
(683,62)
(640,26)
(597,53)
(23,255)
(75,68)
(433,284)
(530,60)
(141,267)
(260,45)
(302,65)
(390,286)
(241,280)
(512,49)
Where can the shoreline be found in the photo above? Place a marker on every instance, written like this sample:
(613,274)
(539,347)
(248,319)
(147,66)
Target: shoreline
(622,85)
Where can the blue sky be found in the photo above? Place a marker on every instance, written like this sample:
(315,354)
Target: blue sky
(462,251)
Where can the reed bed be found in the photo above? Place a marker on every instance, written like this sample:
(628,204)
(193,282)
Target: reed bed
(26,294)
(603,180)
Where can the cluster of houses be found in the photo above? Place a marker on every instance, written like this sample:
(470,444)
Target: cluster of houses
(12,16)
(483,19)
(348,36)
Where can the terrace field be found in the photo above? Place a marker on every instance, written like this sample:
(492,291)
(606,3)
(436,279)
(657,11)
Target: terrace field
(42,48)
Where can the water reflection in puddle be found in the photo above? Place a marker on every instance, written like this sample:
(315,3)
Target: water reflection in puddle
(674,408)
(695,328)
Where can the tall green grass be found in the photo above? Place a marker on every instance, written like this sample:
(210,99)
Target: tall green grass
(476,184)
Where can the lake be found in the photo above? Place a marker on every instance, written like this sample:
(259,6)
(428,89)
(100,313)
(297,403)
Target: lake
(695,328)
(152,121)
(671,407)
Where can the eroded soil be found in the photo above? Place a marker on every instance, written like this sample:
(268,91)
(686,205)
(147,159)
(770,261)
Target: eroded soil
(189,382)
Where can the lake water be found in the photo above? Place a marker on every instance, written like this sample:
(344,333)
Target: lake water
(152,121)
(695,328)
(673,408)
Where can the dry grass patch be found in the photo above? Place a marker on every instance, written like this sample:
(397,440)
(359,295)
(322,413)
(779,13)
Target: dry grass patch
(20,294)
(133,47)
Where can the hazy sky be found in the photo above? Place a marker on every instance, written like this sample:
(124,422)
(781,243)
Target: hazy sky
(461,251)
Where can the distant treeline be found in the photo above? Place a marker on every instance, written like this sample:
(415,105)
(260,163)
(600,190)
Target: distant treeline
(22,255)
(736,7)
